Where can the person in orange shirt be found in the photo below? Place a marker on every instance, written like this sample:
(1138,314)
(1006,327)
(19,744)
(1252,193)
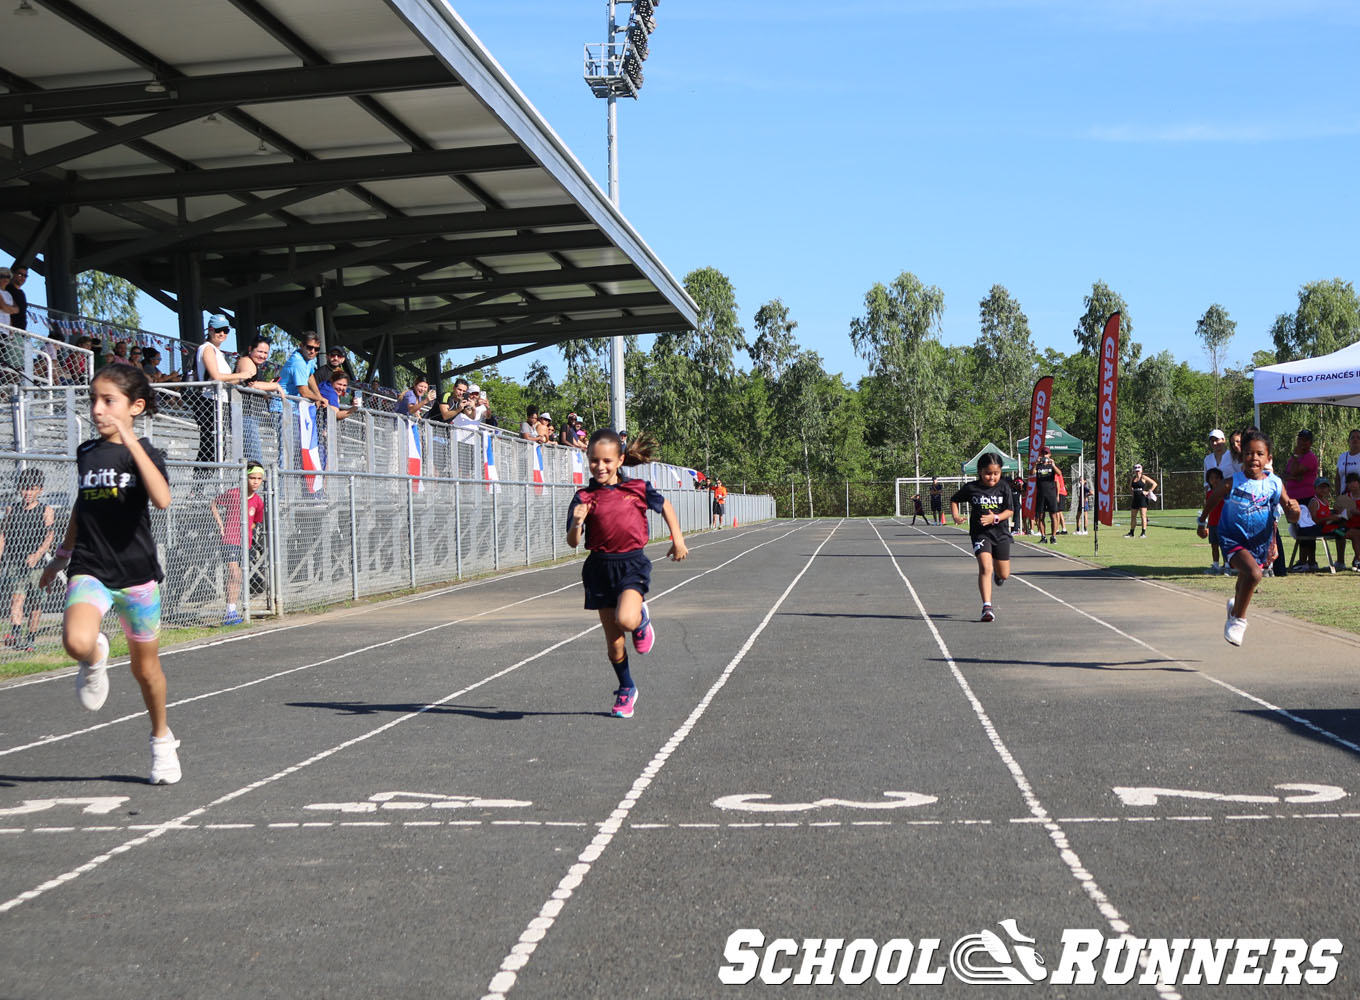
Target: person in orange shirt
(719,502)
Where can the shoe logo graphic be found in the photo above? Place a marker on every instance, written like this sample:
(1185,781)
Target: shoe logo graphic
(985,959)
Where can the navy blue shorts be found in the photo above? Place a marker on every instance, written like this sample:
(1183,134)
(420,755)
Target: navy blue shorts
(606,575)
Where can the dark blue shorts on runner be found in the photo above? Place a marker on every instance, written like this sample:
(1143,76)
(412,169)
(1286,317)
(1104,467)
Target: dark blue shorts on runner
(606,575)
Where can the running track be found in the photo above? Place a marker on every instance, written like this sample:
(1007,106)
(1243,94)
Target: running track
(427,798)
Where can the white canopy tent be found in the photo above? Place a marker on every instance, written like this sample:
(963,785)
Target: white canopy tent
(1333,378)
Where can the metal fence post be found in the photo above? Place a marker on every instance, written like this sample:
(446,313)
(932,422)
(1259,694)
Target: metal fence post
(246,574)
(457,529)
(495,526)
(353,540)
(847,498)
(411,528)
(528,558)
(275,478)
(552,508)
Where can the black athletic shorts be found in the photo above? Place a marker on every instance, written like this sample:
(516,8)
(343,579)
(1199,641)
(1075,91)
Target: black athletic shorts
(1138,501)
(1046,501)
(606,575)
(999,546)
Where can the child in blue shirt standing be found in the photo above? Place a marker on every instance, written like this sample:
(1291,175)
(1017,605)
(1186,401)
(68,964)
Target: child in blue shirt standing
(1246,526)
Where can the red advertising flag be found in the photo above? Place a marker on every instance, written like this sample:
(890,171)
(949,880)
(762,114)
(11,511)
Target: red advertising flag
(1106,418)
(1038,432)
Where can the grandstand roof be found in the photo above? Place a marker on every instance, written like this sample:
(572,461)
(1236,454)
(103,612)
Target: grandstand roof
(365,156)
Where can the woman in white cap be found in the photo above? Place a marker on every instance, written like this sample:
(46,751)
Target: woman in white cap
(1144,490)
(1220,457)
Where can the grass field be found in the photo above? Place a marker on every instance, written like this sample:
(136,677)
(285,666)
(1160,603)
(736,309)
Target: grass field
(1173,553)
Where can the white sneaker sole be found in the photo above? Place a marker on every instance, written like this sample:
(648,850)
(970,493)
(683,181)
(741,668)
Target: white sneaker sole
(92,679)
(166,770)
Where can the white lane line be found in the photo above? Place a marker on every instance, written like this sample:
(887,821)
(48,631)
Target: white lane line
(736,825)
(326,619)
(1037,809)
(1189,667)
(58,737)
(156,832)
(504,980)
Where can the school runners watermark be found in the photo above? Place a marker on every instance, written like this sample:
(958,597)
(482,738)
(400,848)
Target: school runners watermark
(1085,957)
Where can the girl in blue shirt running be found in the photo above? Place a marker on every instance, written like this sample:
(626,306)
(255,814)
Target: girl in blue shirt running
(1246,528)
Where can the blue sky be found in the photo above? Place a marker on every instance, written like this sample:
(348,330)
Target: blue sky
(1184,152)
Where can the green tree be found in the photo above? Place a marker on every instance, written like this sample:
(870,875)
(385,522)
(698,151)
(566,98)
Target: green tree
(107,297)
(1214,330)
(901,322)
(1004,353)
(1327,319)
(1100,305)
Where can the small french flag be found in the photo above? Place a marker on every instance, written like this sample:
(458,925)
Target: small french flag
(414,456)
(309,445)
(489,464)
(538,469)
(578,468)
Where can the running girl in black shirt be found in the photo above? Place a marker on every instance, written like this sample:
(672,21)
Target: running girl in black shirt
(991,503)
(611,515)
(110,556)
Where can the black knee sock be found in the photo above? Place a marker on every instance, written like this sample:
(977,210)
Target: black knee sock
(621,669)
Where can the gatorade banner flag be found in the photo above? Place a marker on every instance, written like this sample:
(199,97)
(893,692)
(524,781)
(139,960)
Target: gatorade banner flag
(414,456)
(309,444)
(538,470)
(1106,420)
(489,472)
(1038,430)
(578,467)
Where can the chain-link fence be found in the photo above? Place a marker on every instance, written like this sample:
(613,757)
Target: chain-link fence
(835,498)
(32,360)
(325,537)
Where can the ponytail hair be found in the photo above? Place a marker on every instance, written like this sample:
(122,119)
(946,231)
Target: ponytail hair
(988,460)
(639,451)
(131,381)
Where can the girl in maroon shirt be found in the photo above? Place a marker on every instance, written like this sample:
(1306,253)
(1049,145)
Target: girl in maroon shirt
(611,515)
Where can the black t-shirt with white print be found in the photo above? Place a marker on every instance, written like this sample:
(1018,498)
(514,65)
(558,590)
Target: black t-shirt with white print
(113,524)
(986,500)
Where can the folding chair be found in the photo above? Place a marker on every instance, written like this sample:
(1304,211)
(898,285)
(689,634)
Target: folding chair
(1323,538)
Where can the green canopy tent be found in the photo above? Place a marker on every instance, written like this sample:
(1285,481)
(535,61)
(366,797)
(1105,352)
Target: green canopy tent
(1009,465)
(1059,442)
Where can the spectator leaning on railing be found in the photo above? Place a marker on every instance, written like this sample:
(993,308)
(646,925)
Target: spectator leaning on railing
(334,390)
(298,377)
(528,428)
(210,365)
(414,400)
(18,275)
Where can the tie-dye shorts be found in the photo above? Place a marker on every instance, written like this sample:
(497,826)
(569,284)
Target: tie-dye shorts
(139,607)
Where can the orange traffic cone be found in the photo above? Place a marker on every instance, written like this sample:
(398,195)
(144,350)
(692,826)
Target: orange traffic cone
(734,520)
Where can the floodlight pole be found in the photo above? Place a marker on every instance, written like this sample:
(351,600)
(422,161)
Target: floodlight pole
(617,398)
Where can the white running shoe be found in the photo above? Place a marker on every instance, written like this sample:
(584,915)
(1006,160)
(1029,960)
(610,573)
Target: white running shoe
(92,679)
(1212,570)
(164,761)
(1235,630)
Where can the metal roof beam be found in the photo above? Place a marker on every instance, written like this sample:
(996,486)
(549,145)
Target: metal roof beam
(399,286)
(541,307)
(210,93)
(339,170)
(442,224)
(182,233)
(116,136)
(395,251)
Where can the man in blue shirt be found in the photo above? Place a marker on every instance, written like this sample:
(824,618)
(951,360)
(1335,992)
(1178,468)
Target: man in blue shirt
(298,377)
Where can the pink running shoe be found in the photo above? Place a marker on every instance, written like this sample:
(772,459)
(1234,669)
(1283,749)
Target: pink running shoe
(645,634)
(624,700)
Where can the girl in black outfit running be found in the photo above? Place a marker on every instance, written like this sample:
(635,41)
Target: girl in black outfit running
(991,503)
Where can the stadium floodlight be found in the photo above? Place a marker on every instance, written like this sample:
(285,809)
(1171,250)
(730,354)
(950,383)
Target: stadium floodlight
(613,69)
